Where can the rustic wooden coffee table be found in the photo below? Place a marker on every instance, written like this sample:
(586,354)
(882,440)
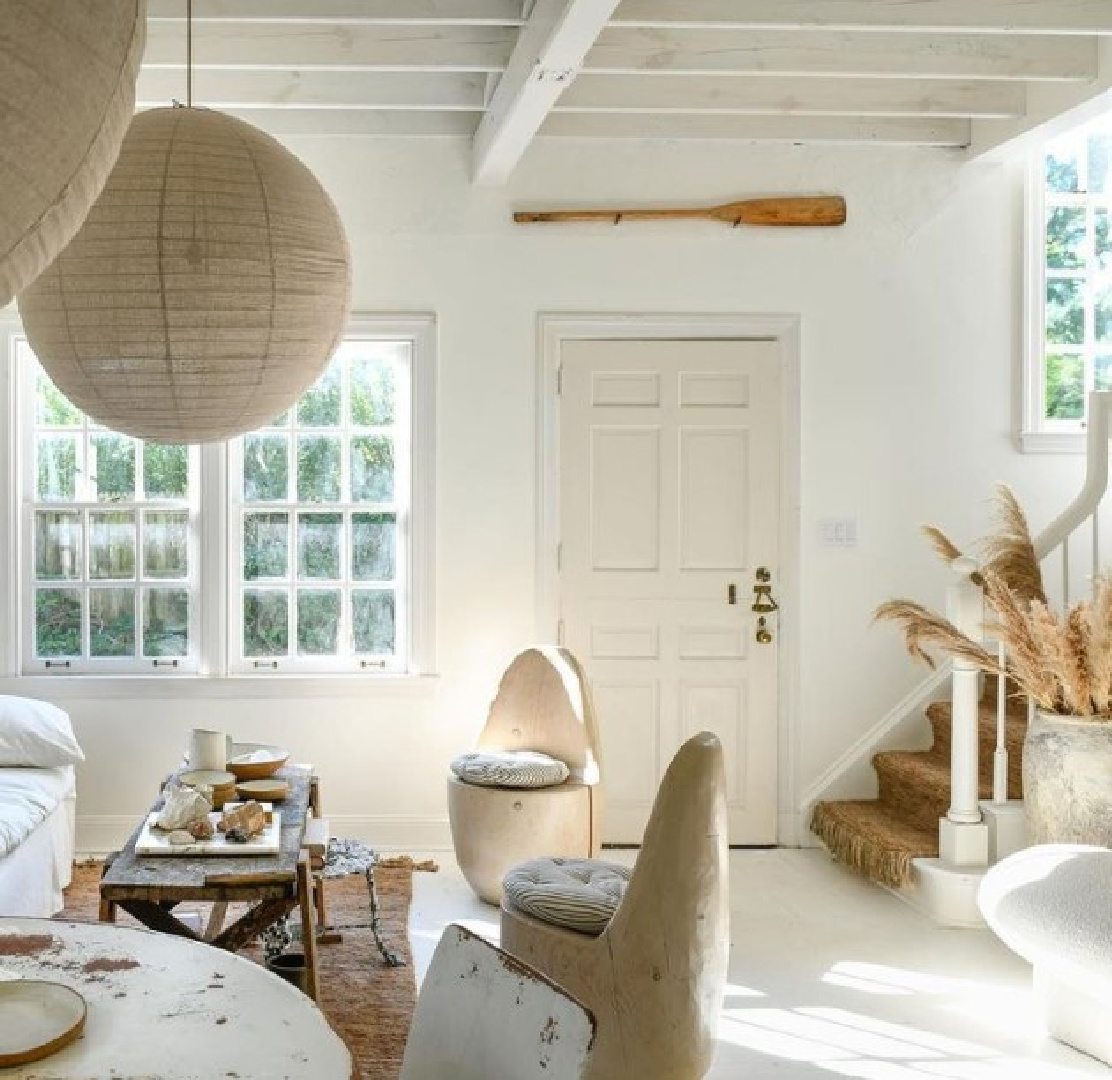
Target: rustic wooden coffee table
(149,887)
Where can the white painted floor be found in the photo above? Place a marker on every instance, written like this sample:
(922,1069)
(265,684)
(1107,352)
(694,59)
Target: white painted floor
(830,976)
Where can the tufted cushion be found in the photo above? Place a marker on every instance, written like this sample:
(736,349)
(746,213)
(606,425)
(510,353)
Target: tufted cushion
(579,894)
(513,769)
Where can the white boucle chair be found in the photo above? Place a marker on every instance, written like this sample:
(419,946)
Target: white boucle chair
(655,977)
(543,704)
(1051,905)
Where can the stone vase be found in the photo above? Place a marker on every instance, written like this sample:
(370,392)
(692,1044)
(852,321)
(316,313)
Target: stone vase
(1067,780)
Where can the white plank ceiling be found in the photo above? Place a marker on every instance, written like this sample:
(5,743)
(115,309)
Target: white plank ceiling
(970,74)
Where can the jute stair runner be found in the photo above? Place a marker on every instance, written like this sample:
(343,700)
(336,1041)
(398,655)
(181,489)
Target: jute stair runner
(878,838)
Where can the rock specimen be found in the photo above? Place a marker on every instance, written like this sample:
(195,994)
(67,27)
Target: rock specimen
(182,806)
(201,829)
(180,837)
(249,819)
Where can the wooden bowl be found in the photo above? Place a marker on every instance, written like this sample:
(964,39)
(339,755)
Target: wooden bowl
(221,783)
(267,790)
(275,758)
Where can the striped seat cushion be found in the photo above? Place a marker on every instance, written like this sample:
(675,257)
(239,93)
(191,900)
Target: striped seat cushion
(512,769)
(578,894)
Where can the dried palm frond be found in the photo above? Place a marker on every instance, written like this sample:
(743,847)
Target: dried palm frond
(921,627)
(1010,552)
(1100,646)
(943,546)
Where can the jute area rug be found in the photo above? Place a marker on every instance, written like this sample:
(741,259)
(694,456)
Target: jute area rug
(369,1004)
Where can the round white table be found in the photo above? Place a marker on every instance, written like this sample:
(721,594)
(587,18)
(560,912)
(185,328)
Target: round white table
(165,1006)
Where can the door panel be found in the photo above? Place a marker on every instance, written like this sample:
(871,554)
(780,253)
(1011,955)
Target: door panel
(669,495)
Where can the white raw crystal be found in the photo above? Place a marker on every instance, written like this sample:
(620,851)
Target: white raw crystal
(182,806)
(179,837)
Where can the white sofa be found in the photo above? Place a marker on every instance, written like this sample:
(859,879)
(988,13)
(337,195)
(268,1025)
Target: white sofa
(38,796)
(37,814)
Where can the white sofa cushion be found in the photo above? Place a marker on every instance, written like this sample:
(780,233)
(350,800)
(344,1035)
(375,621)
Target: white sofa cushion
(510,769)
(36,734)
(579,894)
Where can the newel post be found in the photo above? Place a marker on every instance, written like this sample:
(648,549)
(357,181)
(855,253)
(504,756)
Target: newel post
(962,833)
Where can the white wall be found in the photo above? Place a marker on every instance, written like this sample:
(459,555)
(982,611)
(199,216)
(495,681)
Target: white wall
(911,338)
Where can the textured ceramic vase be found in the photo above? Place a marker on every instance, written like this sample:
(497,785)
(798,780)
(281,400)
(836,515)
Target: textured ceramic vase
(1067,780)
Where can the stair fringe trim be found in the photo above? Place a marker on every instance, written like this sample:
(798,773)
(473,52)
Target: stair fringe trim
(863,854)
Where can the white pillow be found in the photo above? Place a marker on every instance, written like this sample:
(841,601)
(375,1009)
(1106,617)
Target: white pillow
(36,734)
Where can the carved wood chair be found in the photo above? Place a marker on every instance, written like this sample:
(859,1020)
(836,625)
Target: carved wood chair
(655,976)
(543,704)
(482,1015)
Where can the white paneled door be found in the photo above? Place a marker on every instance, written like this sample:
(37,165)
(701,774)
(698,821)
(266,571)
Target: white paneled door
(669,519)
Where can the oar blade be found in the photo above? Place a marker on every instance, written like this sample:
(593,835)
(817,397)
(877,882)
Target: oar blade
(789,210)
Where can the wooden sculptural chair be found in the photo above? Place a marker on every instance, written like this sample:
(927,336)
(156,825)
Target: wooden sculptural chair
(482,1015)
(543,705)
(655,976)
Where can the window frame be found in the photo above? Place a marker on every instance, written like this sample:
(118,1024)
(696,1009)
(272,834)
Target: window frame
(1037,433)
(28,506)
(215,643)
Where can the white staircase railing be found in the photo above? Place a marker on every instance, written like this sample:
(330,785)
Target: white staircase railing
(962,833)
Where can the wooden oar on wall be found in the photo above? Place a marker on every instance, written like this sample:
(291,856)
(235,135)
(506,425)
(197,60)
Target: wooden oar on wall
(787,210)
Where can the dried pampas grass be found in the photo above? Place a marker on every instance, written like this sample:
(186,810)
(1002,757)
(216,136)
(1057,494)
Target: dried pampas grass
(1063,663)
(1010,552)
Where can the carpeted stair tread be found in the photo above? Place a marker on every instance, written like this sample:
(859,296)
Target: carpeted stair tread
(914,786)
(1015,731)
(879,837)
(864,836)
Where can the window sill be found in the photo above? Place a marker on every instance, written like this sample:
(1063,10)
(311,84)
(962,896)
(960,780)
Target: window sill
(1052,442)
(151,687)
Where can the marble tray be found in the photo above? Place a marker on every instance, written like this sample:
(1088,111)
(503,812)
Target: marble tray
(154,841)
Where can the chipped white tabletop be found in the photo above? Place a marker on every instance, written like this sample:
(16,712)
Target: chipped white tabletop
(166,1008)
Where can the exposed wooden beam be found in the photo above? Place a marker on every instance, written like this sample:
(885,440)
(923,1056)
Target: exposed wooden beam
(546,58)
(1051,109)
(347,122)
(914,132)
(363,46)
(222,89)
(401,12)
(759,95)
(832,52)
(961,16)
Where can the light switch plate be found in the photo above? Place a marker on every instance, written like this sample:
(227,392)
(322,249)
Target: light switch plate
(840,532)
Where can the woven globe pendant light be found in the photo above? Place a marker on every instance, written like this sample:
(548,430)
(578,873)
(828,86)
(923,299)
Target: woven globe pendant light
(67,95)
(206,290)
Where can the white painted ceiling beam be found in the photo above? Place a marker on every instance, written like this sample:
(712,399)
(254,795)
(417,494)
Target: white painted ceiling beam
(1051,109)
(960,16)
(411,12)
(221,89)
(830,52)
(547,56)
(362,46)
(349,122)
(815,96)
(912,132)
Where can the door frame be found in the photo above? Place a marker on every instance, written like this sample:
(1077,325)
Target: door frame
(552,331)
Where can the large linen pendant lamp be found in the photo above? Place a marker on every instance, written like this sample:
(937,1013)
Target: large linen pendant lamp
(206,290)
(67,94)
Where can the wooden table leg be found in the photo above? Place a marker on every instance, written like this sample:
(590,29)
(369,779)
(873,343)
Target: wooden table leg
(216,919)
(107,912)
(308,929)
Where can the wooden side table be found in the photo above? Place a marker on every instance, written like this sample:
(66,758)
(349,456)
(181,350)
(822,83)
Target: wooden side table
(150,887)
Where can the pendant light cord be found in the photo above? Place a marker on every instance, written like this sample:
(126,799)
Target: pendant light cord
(189,54)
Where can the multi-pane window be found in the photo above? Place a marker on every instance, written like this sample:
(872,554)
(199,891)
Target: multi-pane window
(1073,337)
(290,549)
(110,526)
(321,520)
